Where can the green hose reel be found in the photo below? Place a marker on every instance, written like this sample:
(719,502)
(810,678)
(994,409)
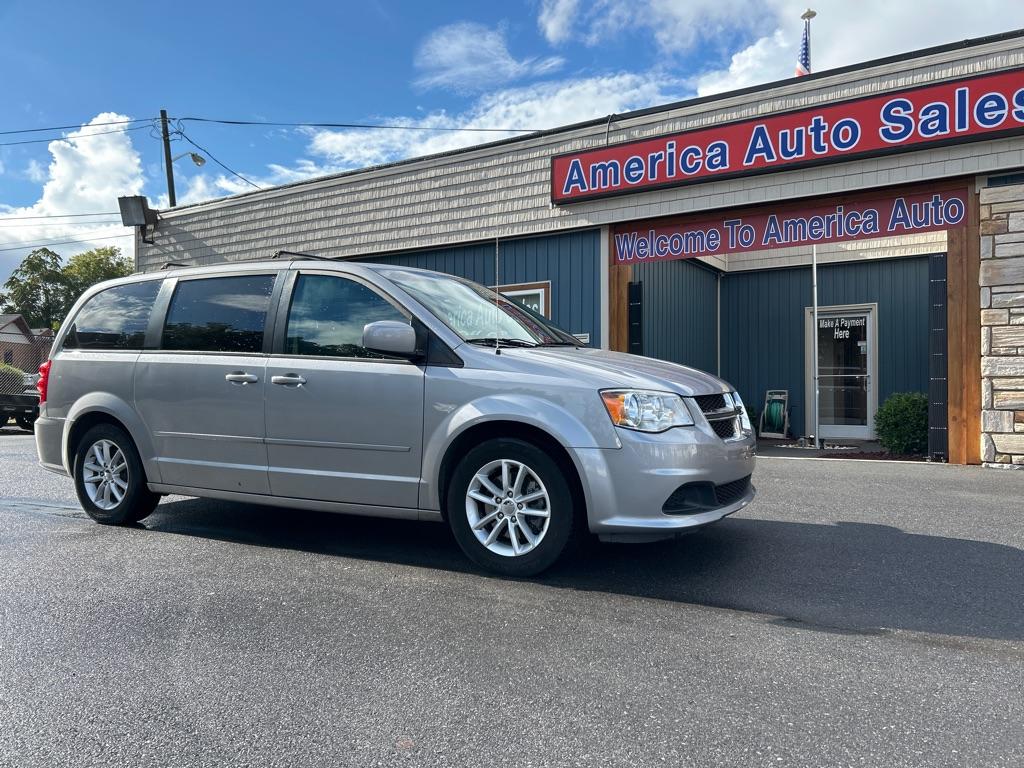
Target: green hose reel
(775,414)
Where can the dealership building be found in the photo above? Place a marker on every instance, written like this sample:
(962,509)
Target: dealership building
(685,232)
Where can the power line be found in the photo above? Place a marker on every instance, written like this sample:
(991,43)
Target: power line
(71,138)
(79,125)
(23,246)
(59,215)
(5,225)
(80,234)
(366,126)
(218,162)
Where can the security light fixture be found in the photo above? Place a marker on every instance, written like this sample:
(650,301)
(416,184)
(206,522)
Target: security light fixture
(198,159)
(135,212)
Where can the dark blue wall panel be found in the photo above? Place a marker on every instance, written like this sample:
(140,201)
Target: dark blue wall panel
(763,326)
(679,312)
(570,261)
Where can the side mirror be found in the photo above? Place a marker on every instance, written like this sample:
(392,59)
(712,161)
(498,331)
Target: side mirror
(390,337)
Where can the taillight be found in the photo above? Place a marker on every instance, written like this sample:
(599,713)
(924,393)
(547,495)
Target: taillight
(44,380)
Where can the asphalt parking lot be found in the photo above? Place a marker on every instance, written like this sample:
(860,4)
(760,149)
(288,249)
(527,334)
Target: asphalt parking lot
(857,614)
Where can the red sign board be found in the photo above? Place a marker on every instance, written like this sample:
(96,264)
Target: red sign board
(971,109)
(788,227)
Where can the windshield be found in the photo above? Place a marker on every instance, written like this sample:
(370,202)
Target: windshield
(472,311)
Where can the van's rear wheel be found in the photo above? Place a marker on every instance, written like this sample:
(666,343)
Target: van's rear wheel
(109,479)
(510,507)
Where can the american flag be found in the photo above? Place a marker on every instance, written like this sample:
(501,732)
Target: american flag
(803,64)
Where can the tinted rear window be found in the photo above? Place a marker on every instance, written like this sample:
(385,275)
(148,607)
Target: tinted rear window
(219,314)
(116,318)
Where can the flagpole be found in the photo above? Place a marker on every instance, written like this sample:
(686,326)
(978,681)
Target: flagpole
(814,341)
(804,68)
(807,16)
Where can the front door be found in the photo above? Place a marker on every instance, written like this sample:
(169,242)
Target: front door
(343,424)
(847,376)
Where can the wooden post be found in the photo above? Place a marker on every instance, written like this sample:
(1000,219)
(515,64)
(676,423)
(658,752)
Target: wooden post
(963,307)
(619,276)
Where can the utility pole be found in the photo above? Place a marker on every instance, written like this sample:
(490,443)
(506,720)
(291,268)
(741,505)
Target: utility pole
(167,158)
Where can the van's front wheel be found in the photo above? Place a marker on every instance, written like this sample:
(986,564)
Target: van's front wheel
(510,508)
(109,479)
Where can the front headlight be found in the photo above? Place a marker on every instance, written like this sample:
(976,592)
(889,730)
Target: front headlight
(646,411)
(744,418)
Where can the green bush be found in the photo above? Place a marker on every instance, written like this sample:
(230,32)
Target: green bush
(10,381)
(902,423)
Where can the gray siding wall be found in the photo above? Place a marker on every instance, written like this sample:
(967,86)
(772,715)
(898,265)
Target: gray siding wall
(570,261)
(763,326)
(679,312)
(502,190)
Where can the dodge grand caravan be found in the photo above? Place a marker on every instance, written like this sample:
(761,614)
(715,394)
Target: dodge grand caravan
(388,391)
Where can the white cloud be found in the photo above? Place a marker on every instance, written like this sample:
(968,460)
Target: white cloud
(35,171)
(539,106)
(89,169)
(556,19)
(849,33)
(676,25)
(467,57)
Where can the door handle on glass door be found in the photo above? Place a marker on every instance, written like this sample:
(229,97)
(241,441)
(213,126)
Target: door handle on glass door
(241,377)
(290,380)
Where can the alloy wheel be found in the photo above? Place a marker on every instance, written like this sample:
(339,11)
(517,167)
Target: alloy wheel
(105,474)
(508,507)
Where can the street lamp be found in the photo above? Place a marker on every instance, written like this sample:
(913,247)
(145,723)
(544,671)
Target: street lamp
(198,159)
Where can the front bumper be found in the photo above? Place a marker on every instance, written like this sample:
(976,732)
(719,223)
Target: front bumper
(626,488)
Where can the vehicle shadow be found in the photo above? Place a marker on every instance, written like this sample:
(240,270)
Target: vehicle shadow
(851,578)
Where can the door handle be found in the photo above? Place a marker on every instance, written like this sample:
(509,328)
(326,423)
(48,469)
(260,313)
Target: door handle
(241,377)
(289,380)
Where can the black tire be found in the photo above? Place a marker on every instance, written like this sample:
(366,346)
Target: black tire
(560,522)
(137,502)
(27,424)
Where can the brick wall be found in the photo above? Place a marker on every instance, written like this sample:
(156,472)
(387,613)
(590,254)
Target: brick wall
(1002,321)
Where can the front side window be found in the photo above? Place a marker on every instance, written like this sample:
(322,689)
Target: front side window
(327,316)
(219,314)
(116,318)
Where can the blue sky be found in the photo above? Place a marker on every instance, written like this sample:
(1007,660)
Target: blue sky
(519,64)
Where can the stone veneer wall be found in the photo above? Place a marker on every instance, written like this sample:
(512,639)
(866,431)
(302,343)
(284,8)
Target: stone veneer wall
(1002,321)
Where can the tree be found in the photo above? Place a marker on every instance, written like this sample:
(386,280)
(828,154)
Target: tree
(42,289)
(36,290)
(86,269)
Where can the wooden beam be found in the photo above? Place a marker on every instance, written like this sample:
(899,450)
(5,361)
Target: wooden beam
(972,332)
(963,308)
(619,276)
(955,320)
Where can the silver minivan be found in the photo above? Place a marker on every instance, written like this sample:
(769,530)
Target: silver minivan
(388,391)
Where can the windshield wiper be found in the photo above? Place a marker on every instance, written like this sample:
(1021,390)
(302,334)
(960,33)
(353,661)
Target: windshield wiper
(559,344)
(500,340)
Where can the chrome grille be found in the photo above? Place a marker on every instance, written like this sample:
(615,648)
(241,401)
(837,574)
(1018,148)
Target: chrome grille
(710,402)
(721,414)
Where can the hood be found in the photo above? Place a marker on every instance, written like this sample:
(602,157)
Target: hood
(614,369)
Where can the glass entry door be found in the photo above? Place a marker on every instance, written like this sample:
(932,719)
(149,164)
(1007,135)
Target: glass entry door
(846,372)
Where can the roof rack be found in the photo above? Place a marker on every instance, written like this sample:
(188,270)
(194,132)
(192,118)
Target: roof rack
(173,265)
(297,255)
